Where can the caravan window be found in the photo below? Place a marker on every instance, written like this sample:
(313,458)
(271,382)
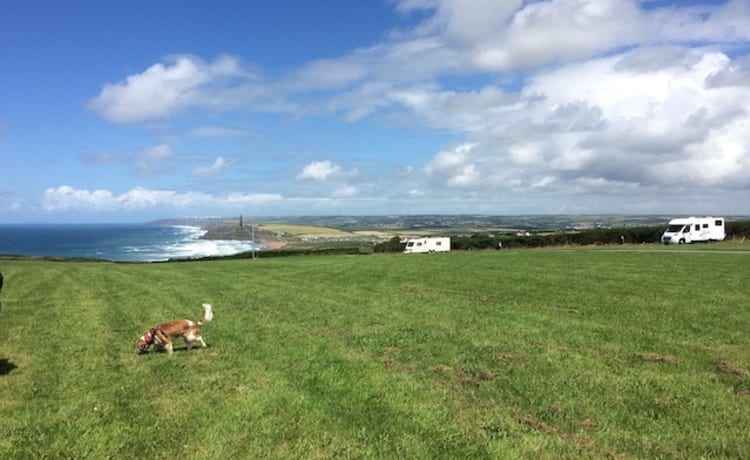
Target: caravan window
(705,225)
(697,227)
(438,243)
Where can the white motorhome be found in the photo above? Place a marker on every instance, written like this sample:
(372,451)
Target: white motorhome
(694,229)
(428,244)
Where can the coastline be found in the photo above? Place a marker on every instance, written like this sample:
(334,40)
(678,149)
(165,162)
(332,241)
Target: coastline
(223,230)
(147,242)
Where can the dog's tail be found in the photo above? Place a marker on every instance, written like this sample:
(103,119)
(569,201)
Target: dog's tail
(208,314)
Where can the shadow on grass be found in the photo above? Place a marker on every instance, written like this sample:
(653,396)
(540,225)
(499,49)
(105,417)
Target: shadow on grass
(182,349)
(6,367)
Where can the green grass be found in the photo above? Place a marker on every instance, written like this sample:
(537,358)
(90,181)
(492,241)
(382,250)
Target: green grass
(503,354)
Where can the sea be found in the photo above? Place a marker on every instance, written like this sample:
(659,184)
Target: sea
(115,242)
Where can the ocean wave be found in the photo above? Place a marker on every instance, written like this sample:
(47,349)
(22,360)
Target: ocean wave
(190,230)
(196,248)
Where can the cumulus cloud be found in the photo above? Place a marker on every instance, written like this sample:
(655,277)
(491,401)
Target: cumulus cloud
(66,197)
(169,88)
(545,96)
(621,119)
(650,124)
(488,35)
(217,168)
(319,171)
(448,161)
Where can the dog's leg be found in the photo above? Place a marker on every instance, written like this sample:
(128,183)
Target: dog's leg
(192,336)
(168,347)
(195,338)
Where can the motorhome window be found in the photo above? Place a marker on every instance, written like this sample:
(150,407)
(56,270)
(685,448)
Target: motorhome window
(674,228)
(705,225)
(697,227)
(438,243)
(719,223)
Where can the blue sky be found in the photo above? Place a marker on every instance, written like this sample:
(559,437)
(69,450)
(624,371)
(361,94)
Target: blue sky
(137,110)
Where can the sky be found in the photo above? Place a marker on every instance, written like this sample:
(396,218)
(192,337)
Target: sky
(129,111)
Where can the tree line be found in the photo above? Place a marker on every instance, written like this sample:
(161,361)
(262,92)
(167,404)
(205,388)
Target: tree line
(738,230)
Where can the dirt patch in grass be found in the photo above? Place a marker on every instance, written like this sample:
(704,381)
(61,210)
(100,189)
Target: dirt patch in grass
(728,369)
(468,377)
(539,425)
(476,377)
(389,359)
(508,358)
(443,369)
(657,357)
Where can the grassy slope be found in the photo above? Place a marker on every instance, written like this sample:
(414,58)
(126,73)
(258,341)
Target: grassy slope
(487,354)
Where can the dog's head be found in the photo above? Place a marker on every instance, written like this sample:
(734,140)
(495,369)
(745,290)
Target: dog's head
(143,342)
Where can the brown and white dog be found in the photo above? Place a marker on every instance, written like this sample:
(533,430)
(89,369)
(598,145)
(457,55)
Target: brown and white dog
(162,335)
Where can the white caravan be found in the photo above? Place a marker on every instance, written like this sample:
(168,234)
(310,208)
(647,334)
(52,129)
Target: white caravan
(694,229)
(428,244)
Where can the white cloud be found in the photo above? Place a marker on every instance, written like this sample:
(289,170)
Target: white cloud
(448,160)
(466,176)
(327,74)
(319,171)
(208,131)
(217,168)
(543,182)
(457,167)
(526,153)
(626,119)
(167,89)
(347,191)
(158,152)
(65,197)
(725,23)
(491,35)
(544,96)
(152,160)
(146,162)
(653,120)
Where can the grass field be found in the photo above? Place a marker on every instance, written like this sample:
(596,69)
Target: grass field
(305,231)
(571,353)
